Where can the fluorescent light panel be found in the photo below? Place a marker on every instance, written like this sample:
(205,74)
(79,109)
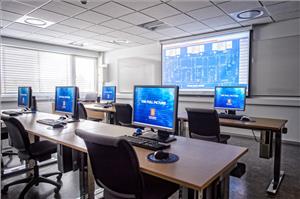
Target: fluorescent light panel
(33,21)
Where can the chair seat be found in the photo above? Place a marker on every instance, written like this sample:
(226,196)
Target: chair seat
(224,138)
(157,188)
(42,149)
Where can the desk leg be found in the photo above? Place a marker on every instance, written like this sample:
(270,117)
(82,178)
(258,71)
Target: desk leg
(86,178)
(278,175)
(90,178)
(181,128)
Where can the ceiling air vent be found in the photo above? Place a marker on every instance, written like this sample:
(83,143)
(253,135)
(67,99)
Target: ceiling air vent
(154,25)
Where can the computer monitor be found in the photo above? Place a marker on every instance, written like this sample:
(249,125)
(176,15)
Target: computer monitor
(230,98)
(66,100)
(156,107)
(108,94)
(24,97)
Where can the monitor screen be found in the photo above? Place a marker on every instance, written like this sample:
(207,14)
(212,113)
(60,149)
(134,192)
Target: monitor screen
(230,98)
(155,106)
(65,99)
(109,93)
(24,97)
(198,65)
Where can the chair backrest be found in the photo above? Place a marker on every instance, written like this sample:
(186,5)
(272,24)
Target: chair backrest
(81,111)
(204,123)
(114,163)
(17,133)
(123,113)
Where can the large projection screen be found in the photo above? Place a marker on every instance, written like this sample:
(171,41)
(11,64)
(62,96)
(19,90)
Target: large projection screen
(197,65)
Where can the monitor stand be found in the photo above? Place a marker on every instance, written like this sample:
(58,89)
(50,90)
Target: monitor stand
(160,136)
(71,120)
(230,112)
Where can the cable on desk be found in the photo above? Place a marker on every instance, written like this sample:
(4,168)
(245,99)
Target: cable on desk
(254,136)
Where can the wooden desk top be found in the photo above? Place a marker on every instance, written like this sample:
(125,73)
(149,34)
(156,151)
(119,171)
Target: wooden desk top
(102,109)
(199,164)
(275,125)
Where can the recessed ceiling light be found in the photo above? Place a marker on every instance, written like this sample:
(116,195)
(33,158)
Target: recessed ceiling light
(120,41)
(32,21)
(250,14)
(79,44)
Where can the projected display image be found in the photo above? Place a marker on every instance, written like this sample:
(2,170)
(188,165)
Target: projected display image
(200,65)
(154,106)
(230,98)
(23,96)
(64,101)
(109,93)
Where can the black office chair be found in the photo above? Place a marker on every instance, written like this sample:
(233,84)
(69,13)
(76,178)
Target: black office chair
(204,124)
(38,151)
(123,114)
(81,111)
(116,168)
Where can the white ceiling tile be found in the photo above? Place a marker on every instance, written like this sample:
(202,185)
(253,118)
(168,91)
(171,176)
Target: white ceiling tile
(84,33)
(285,7)
(13,33)
(24,27)
(97,48)
(119,34)
(232,6)
(161,11)
(76,23)
(108,44)
(136,30)
(257,21)
(50,33)
(4,23)
(89,5)
(173,32)
(93,17)
(218,21)
(47,15)
(61,41)
(104,37)
(267,2)
(285,16)
(152,35)
(89,41)
(72,37)
(38,37)
(62,28)
(9,16)
(137,5)
(147,41)
(206,13)
(189,5)
(113,9)
(136,18)
(194,26)
(34,3)
(116,24)
(219,1)
(228,26)
(63,8)
(13,6)
(178,20)
(99,29)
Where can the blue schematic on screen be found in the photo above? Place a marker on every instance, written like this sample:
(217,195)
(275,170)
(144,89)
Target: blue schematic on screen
(154,106)
(109,93)
(231,98)
(65,99)
(23,96)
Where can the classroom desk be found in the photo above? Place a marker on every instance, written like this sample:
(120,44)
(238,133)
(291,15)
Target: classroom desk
(97,112)
(201,163)
(267,127)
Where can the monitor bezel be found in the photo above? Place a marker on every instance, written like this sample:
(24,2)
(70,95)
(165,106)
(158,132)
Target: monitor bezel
(74,104)
(29,97)
(235,109)
(115,95)
(175,115)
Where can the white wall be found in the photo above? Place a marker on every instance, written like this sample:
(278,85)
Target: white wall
(260,106)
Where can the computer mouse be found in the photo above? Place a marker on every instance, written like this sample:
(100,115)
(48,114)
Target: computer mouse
(160,155)
(245,118)
(58,126)
(62,118)
(138,132)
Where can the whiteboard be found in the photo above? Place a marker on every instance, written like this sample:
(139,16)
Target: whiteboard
(137,71)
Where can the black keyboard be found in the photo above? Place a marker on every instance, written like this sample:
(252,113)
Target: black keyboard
(12,113)
(230,116)
(145,143)
(50,122)
(103,105)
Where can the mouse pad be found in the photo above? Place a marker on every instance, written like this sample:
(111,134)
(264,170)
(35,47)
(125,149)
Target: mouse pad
(172,158)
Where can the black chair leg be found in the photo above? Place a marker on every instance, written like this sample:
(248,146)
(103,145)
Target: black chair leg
(25,180)
(59,175)
(46,180)
(27,187)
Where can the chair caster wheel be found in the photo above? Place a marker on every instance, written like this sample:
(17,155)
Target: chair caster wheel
(4,190)
(56,190)
(58,178)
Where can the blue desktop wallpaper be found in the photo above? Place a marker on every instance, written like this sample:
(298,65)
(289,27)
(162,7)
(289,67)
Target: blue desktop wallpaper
(23,96)
(64,99)
(230,98)
(154,106)
(108,93)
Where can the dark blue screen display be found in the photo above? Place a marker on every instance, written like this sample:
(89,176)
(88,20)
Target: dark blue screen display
(109,93)
(23,96)
(230,98)
(65,99)
(154,106)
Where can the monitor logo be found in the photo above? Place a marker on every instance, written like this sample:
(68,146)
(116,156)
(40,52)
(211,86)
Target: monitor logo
(23,100)
(152,112)
(229,102)
(63,104)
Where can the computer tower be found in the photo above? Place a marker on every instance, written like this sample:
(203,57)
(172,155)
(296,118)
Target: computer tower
(265,149)
(64,159)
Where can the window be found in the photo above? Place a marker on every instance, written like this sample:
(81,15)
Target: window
(85,70)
